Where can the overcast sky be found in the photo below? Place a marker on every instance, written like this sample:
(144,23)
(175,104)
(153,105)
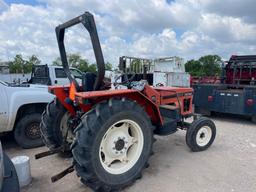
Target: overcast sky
(144,28)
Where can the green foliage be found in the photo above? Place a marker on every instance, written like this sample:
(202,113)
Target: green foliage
(92,68)
(75,60)
(194,67)
(21,65)
(32,60)
(209,65)
(108,66)
(57,62)
(16,66)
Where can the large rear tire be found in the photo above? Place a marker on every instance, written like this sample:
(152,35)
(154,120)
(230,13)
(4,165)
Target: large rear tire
(54,125)
(113,144)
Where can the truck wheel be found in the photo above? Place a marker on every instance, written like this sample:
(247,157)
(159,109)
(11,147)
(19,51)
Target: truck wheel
(201,134)
(54,125)
(27,131)
(113,144)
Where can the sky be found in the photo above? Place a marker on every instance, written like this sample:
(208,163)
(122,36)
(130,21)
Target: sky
(141,28)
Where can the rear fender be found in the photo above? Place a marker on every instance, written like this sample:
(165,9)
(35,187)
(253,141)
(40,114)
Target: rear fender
(97,96)
(62,92)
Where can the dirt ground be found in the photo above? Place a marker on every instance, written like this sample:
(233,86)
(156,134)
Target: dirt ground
(229,165)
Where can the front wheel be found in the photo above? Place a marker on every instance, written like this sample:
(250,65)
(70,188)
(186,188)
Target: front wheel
(201,134)
(113,144)
(27,131)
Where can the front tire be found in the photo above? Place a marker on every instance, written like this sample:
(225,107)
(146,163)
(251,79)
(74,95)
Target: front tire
(27,131)
(201,134)
(113,144)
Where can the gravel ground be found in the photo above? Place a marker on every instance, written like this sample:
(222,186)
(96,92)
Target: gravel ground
(228,165)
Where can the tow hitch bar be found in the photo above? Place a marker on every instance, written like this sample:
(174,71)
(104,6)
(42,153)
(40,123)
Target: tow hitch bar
(48,153)
(62,174)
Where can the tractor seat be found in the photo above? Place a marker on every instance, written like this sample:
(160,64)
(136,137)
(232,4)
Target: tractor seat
(88,80)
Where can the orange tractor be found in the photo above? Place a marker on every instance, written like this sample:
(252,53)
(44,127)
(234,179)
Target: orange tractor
(110,131)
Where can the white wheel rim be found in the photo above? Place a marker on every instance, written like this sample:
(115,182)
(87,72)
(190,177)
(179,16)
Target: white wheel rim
(203,136)
(65,131)
(121,146)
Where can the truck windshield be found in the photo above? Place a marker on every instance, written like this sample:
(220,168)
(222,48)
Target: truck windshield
(59,72)
(76,73)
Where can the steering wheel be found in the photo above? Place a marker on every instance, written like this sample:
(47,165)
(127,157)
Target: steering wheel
(126,82)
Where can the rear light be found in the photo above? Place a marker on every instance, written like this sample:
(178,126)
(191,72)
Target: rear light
(249,102)
(210,98)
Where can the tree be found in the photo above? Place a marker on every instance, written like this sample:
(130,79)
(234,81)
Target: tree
(211,65)
(32,60)
(16,66)
(92,68)
(83,65)
(57,62)
(208,65)
(20,65)
(75,60)
(108,66)
(194,68)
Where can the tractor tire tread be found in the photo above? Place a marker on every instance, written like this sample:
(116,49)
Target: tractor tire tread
(192,130)
(48,121)
(85,134)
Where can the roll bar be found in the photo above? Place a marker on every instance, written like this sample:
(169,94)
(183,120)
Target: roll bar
(88,22)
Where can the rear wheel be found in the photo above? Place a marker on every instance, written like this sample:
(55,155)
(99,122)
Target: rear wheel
(113,144)
(55,126)
(27,131)
(201,134)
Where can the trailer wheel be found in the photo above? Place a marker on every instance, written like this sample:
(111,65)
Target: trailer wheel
(201,134)
(27,131)
(113,144)
(54,125)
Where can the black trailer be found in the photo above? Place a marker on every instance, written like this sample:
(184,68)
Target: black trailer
(235,95)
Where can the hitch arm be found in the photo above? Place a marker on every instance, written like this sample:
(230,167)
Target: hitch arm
(48,153)
(62,174)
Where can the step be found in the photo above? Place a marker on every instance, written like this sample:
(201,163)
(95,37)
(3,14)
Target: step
(169,127)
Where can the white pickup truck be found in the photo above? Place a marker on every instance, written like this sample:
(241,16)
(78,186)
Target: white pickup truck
(52,75)
(21,107)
